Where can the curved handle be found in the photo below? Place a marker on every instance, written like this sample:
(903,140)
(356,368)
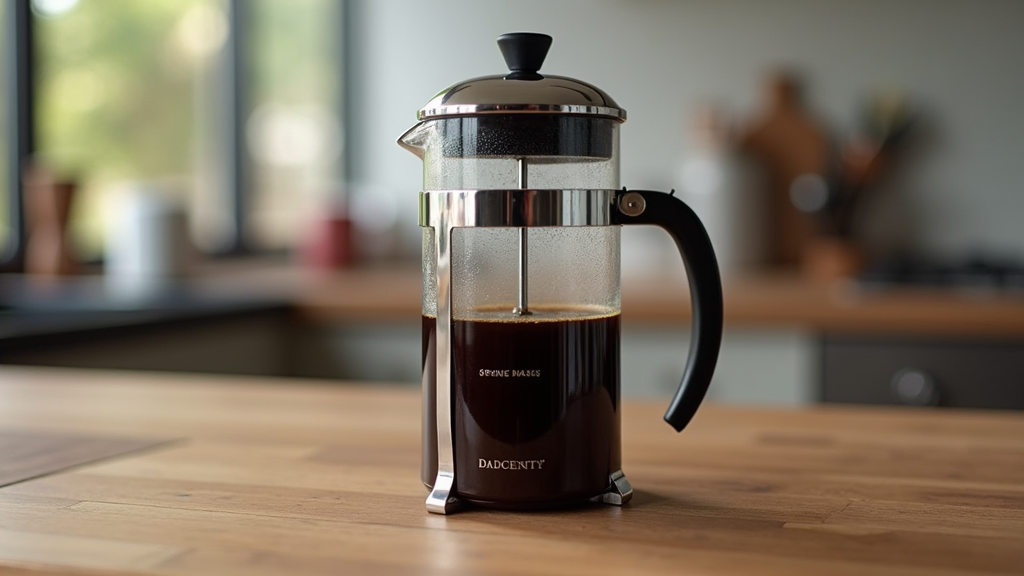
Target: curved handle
(670,213)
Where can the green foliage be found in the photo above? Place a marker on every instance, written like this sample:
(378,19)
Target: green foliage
(129,90)
(115,92)
(294,48)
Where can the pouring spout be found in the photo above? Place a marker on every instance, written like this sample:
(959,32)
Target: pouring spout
(415,139)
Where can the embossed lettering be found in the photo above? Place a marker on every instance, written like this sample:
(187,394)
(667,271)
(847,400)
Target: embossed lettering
(511,464)
(509,373)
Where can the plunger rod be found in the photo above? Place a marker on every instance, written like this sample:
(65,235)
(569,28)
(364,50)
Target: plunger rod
(524,250)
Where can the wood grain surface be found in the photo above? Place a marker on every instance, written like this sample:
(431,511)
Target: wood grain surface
(287,477)
(25,455)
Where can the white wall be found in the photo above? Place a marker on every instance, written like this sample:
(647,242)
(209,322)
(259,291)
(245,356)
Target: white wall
(960,60)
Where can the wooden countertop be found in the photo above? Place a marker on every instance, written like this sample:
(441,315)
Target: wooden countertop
(766,300)
(287,477)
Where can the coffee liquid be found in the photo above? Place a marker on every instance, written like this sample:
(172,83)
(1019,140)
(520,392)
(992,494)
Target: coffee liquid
(535,405)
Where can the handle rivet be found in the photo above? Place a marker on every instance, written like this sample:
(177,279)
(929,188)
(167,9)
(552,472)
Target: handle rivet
(632,204)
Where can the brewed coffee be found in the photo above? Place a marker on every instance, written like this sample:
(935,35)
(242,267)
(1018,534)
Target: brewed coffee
(536,419)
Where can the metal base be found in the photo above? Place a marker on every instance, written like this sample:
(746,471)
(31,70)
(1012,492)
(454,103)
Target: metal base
(442,499)
(619,493)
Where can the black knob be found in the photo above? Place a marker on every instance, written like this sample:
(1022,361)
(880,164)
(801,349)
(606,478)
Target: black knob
(524,54)
(916,387)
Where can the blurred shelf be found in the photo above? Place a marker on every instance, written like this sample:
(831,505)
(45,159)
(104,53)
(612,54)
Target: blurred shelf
(790,301)
(763,300)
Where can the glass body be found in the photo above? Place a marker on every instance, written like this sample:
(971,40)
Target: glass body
(535,396)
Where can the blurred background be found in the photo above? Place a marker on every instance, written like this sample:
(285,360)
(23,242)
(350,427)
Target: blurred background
(214,184)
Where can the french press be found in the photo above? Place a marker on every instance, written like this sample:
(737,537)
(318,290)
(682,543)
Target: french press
(521,214)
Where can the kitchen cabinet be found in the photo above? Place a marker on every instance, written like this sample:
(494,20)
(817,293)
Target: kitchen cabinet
(249,341)
(942,371)
(240,326)
(787,341)
(765,366)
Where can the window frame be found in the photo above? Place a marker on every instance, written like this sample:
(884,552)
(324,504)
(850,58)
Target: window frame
(19,109)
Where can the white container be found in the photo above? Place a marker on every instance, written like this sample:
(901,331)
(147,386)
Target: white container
(147,242)
(721,187)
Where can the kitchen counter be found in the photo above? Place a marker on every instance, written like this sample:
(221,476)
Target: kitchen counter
(178,474)
(763,300)
(392,294)
(38,308)
(225,324)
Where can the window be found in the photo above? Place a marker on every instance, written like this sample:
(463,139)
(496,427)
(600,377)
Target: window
(293,131)
(121,100)
(229,108)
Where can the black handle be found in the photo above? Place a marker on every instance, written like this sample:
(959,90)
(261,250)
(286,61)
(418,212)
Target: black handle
(524,54)
(672,214)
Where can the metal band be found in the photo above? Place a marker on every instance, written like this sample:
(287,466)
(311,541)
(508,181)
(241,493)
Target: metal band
(476,109)
(516,208)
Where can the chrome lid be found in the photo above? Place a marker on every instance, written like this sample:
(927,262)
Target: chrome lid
(523,90)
